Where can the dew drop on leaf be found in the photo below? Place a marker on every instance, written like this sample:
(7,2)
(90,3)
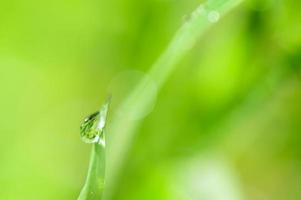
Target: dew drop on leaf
(92,128)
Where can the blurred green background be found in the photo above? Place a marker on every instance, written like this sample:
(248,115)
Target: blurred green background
(225,126)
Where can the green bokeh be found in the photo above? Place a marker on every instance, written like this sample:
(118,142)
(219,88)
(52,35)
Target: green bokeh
(225,125)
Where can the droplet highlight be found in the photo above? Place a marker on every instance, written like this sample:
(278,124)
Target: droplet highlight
(92,128)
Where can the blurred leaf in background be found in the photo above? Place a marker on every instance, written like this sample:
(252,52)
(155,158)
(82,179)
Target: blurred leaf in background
(226,125)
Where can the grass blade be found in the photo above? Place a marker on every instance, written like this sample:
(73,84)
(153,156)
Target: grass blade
(93,188)
(92,132)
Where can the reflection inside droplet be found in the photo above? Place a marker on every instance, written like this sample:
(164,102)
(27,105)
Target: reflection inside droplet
(92,128)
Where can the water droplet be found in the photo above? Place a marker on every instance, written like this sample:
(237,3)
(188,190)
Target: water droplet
(199,11)
(92,128)
(213,16)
